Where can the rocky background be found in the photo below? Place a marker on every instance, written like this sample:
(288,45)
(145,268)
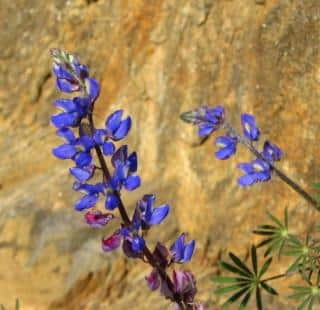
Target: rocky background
(155,59)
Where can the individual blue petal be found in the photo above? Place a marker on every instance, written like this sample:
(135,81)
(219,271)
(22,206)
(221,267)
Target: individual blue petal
(112,242)
(83,71)
(108,148)
(65,119)
(61,72)
(246,180)
(120,156)
(159,214)
(111,202)
(132,182)
(133,162)
(99,136)
(188,251)
(246,167)
(113,121)
(87,142)
(114,183)
(92,87)
(81,174)
(137,243)
(89,188)
(65,104)
(86,202)
(250,130)
(128,251)
(177,248)
(205,129)
(82,105)
(225,152)
(67,135)
(83,159)
(64,151)
(271,152)
(67,86)
(263,176)
(122,130)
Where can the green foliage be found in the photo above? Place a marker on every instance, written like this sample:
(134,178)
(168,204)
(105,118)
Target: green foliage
(309,294)
(277,234)
(306,256)
(246,281)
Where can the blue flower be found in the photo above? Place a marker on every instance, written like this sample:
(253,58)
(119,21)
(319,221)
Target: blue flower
(75,109)
(208,120)
(111,243)
(117,129)
(227,146)
(137,243)
(112,201)
(145,215)
(92,195)
(182,253)
(82,174)
(271,152)
(124,170)
(64,151)
(256,171)
(72,76)
(250,130)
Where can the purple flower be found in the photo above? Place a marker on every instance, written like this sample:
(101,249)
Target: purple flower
(111,243)
(256,171)
(117,129)
(98,219)
(271,152)
(145,215)
(227,146)
(124,170)
(153,280)
(182,253)
(250,130)
(184,284)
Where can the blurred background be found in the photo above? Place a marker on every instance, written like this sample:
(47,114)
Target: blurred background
(155,59)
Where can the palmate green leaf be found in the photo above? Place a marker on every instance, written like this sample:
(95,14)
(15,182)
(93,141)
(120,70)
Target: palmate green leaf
(240,264)
(265,267)
(234,269)
(276,235)
(258,299)
(254,259)
(250,280)
(268,288)
(236,296)
(309,294)
(227,289)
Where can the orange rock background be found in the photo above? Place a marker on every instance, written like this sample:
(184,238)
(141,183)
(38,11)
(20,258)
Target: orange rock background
(155,59)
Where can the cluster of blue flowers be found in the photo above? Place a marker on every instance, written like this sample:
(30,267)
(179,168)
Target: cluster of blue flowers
(209,120)
(81,139)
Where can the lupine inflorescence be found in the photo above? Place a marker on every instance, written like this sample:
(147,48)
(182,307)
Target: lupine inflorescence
(209,120)
(81,141)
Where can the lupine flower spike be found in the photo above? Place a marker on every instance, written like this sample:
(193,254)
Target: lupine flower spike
(84,144)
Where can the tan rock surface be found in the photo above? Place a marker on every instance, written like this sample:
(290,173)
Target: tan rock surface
(155,59)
